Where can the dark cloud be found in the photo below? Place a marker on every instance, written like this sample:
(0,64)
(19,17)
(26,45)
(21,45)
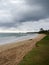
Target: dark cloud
(41,13)
(14,13)
(7,24)
(33,10)
(44,3)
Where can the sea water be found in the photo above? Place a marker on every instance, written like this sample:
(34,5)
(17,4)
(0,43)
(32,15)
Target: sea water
(7,38)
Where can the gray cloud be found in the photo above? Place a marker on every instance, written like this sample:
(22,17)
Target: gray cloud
(39,9)
(14,12)
(33,10)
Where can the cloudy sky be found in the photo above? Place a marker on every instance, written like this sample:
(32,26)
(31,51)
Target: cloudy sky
(24,15)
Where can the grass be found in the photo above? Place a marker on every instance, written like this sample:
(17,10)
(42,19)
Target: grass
(38,55)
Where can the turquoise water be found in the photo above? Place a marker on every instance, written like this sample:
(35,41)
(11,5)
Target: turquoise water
(6,38)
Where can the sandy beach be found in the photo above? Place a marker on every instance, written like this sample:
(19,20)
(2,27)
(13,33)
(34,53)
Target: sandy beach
(12,54)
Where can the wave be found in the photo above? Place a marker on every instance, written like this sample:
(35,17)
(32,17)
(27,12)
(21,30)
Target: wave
(11,39)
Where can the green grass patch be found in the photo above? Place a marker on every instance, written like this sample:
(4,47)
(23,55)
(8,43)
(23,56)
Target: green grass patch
(38,55)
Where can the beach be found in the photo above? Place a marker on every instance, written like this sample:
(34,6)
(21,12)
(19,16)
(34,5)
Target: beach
(12,54)
(7,38)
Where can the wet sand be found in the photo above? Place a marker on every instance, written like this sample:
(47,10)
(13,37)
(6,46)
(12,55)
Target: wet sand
(12,54)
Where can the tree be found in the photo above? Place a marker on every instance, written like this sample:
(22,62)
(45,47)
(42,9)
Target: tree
(41,29)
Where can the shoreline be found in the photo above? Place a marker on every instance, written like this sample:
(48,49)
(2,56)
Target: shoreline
(14,53)
(8,40)
(22,42)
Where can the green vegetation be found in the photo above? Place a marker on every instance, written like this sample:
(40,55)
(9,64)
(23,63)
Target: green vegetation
(43,31)
(38,55)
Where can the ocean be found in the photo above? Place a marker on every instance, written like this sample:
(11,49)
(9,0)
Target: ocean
(6,38)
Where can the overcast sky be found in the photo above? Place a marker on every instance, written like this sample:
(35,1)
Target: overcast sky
(24,15)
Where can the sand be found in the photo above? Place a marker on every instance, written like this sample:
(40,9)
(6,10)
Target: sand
(12,54)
